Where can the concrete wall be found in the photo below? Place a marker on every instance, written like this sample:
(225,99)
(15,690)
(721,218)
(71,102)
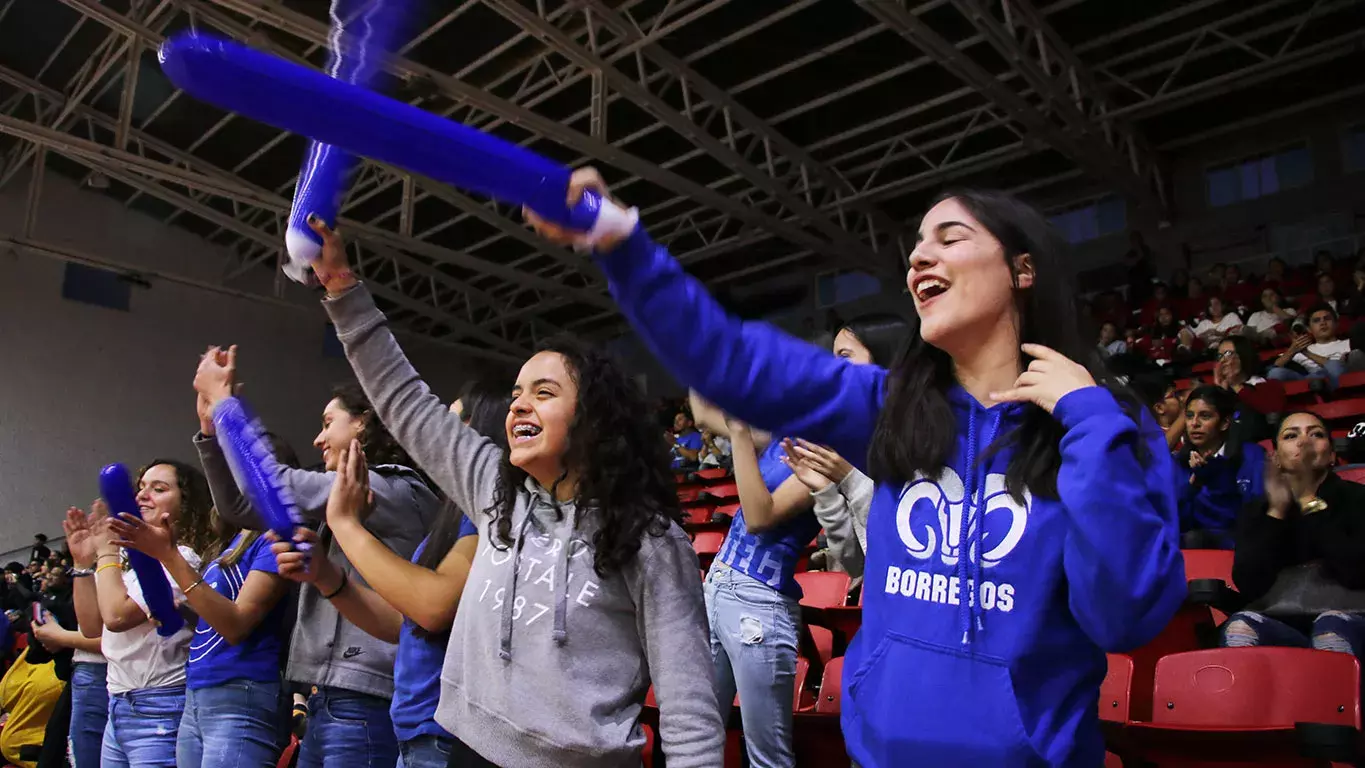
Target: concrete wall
(82,386)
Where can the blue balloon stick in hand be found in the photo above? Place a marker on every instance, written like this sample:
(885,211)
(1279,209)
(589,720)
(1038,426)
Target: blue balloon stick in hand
(116,488)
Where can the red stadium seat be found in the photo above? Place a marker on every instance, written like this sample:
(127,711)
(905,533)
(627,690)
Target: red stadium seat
(1340,413)
(1353,475)
(1350,385)
(722,490)
(728,510)
(822,589)
(688,494)
(697,513)
(1301,393)
(1116,690)
(1246,706)
(707,544)
(830,688)
(1208,564)
(712,474)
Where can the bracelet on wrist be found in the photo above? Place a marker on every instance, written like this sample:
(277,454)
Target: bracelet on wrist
(344,581)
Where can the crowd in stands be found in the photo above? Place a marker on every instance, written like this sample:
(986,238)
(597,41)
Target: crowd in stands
(533,575)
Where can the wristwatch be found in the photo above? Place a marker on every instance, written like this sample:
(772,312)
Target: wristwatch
(76,573)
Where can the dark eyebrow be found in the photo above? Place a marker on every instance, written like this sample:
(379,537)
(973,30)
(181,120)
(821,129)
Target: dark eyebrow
(537,383)
(941,226)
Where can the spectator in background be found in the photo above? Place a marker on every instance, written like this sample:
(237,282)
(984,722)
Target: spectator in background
(79,662)
(19,588)
(1237,370)
(687,441)
(1194,303)
(1160,297)
(1111,345)
(715,449)
(1327,294)
(1219,474)
(1169,339)
(1236,290)
(39,553)
(1300,556)
(28,694)
(1316,352)
(1272,320)
(1218,323)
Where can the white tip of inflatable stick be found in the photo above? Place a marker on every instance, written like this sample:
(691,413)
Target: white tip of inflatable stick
(303,251)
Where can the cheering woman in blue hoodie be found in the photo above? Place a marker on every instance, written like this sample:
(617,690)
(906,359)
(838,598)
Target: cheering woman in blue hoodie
(1024,519)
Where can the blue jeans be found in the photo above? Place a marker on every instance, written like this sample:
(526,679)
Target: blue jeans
(753,648)
(89,713)
(348,730)
(424,752)
(1332,372)
(236,723)
(142,728)
(1332,631)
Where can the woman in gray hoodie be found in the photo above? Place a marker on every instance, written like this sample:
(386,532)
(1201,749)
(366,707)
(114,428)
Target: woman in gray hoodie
(349,725)
(585,590)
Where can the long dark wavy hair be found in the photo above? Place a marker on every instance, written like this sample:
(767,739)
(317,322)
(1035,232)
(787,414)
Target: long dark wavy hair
(194,523)
(614,450)
(916,431)
(380,447)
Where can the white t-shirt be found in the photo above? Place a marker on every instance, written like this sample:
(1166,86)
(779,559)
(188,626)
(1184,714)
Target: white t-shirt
(141,658)
(1332,350)
(1229,323)
(1264,322)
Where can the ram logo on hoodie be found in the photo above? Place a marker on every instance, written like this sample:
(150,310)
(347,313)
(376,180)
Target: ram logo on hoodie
(931,525)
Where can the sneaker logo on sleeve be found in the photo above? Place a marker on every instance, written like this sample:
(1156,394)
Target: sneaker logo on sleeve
(351,652)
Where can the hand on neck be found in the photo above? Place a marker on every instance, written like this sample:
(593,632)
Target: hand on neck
(992,364)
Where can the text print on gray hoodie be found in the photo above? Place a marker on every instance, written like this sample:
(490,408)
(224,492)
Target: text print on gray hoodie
(548,662)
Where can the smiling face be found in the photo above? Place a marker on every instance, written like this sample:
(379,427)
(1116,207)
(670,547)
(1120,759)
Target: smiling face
(158,495)
(1230,363)
(544,401)
(959,277)
(847,346)
(339,428)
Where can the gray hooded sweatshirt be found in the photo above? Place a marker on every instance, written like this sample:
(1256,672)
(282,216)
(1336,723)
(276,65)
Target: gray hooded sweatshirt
(548,663)
(842,509)
(326,649)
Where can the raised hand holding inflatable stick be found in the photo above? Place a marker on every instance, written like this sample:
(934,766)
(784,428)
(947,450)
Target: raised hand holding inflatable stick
(116,488)
(244,443)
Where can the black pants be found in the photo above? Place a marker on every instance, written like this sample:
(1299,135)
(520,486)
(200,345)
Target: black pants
(462,756)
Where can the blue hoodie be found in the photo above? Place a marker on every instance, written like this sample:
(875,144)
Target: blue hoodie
(1221,487)
(990,659)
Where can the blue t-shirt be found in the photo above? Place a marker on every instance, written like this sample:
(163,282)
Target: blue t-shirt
(417,671)
(770,556)
(213,660)
(689,440)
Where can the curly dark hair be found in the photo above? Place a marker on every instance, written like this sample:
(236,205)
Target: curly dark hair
(622,466)
(379,445)
(194,524)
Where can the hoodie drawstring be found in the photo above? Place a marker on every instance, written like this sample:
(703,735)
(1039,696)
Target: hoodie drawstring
(561,632)
(968,497)
(510,591)
(561,575)
(973,504)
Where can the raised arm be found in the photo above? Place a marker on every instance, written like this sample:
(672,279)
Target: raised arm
(80,541)
(763,509)
(428,597)
(749,369)
(671,616)
(461,461)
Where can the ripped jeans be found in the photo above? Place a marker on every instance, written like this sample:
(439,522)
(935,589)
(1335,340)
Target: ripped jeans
(754,632)
(1332,631)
